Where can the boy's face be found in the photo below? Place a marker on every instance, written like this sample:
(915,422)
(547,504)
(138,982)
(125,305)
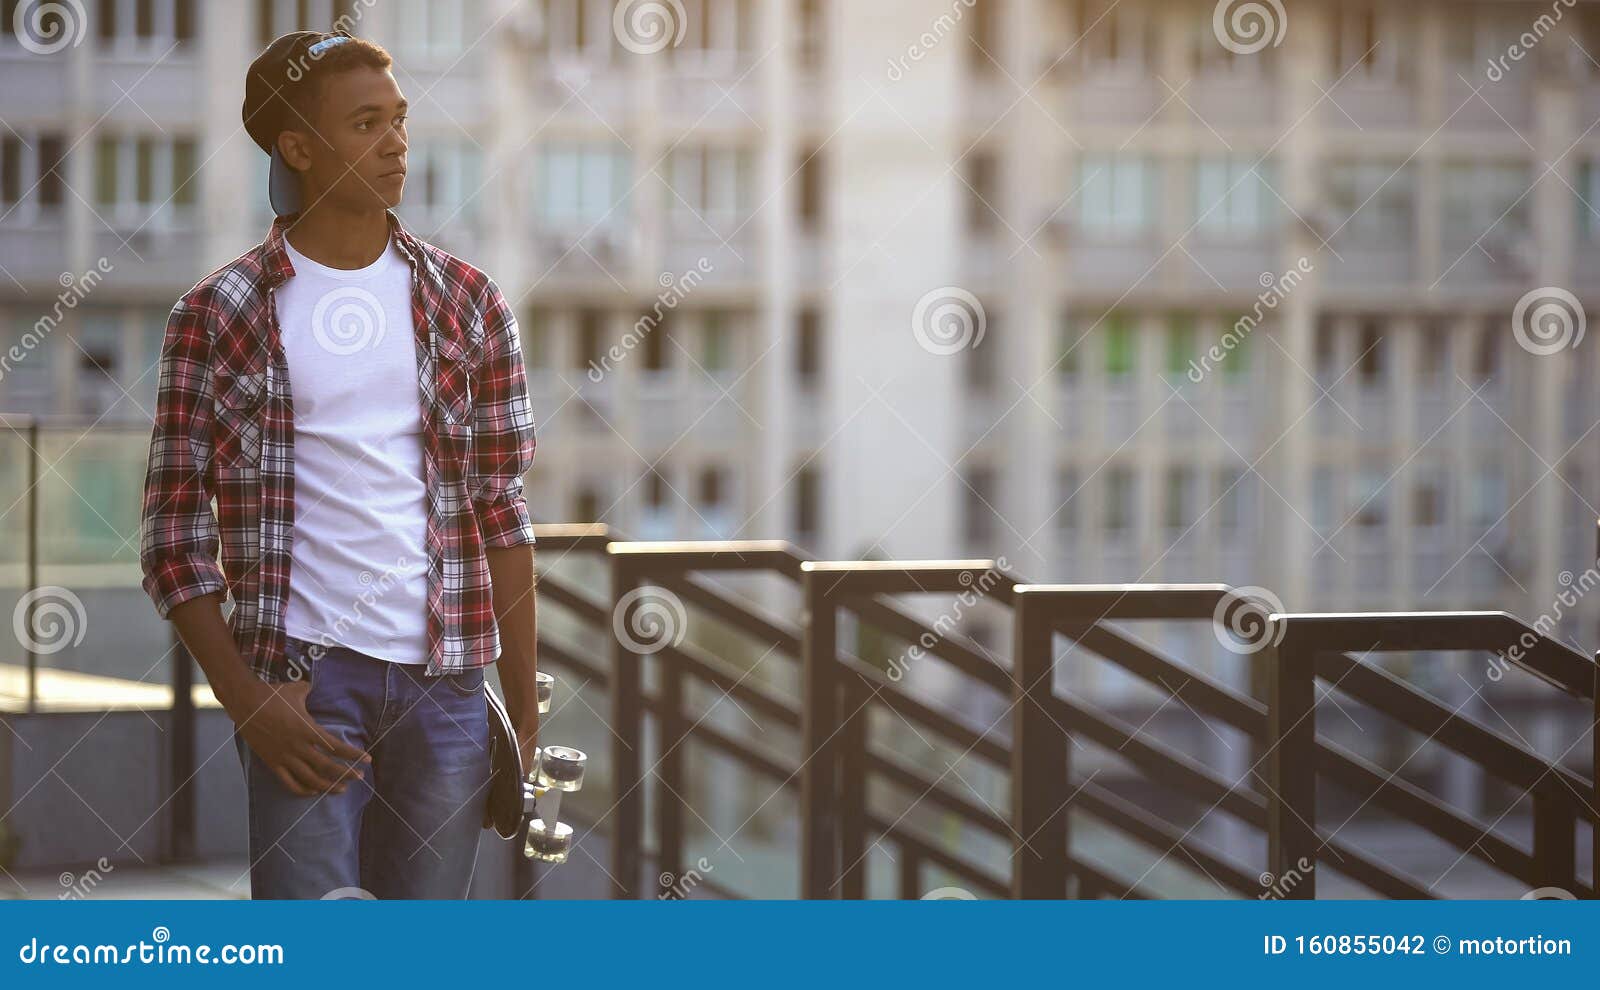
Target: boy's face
(354,153)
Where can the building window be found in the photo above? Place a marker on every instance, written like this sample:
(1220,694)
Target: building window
(1427,500)
(716,341)
(579,27)
(1486,498)
(445,179)
(978,497)
(1120,348)
(591,339)
(810,35)
(1371,497)
(982,186)
(714,31)
(1116,38)
(582,185)
(586,505)
(982,358)
(1372,366)
(1121,507)
(1117,193)
(30,174)
(1233,495)
(1068,515)
(809,191)
(1367,41)
(1373,202)
(983,38)
(1435,361)
(1484,204)
(807,504)
(808,348)
(1071,341)
(135,24)
(1232,196)
(711,186)
(278,17)
(429,29)
(1486,363)
(1180,509)
(1180,348)
(1588,200)
(535,329)
(137,177)
(656,356)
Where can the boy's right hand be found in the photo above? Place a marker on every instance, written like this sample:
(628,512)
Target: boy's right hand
(305,756)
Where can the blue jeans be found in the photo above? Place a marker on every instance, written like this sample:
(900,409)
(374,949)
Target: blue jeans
(410,829)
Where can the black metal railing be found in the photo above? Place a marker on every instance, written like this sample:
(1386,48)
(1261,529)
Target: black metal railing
(1034,739)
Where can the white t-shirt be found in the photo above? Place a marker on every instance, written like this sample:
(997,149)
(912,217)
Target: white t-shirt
(358,562)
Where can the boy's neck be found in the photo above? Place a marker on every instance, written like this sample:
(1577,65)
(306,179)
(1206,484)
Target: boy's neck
(340,238)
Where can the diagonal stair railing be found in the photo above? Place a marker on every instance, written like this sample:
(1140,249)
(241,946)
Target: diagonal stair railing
(838,764)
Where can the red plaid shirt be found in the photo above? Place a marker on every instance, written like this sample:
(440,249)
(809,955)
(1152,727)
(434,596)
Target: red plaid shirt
(224,429)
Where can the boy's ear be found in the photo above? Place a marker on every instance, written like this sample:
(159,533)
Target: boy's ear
(295,146)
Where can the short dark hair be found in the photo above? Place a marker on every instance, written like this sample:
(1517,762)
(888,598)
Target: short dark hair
(357,53)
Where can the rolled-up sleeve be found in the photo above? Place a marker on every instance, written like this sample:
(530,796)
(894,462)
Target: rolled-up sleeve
(178,539)
(503,430)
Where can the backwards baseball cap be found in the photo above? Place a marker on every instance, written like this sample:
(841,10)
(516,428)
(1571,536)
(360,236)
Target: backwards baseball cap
(287,64)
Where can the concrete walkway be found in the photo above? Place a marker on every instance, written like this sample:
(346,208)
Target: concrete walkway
(217,880)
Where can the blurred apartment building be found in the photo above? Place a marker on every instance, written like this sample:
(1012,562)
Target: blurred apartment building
(784,181)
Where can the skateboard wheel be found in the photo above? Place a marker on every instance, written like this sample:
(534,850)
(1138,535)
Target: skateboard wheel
(545,687)
(548,844)
(561,768)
